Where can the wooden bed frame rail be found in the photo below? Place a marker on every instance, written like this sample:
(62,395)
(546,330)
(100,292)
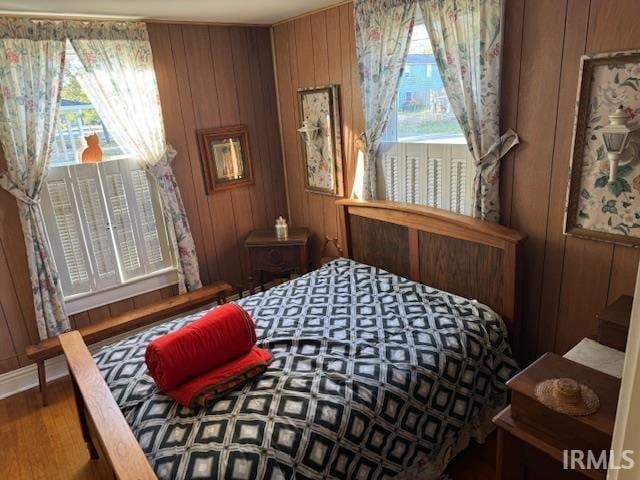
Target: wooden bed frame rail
(455,253)
(126,322)
(105,430)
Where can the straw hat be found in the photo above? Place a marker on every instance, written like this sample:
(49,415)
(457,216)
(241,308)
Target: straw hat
(567,396)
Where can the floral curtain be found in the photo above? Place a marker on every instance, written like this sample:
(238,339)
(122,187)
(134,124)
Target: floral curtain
(466,37)
(383,31)
(31,65)
(117,74)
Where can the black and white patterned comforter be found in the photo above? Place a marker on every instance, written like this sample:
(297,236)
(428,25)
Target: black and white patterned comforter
(374,376)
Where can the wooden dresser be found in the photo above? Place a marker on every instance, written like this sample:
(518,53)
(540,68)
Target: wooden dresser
(267,253)
(532,438)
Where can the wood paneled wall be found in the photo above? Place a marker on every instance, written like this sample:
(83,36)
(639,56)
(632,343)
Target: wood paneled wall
(207,77)
(316,50)
(567,280)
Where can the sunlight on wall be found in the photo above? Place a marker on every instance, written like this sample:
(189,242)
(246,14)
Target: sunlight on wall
(357,191)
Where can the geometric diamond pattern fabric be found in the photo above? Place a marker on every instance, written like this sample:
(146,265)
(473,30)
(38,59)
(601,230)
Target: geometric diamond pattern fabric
(374,376)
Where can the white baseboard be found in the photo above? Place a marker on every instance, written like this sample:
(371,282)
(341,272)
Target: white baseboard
(25,378)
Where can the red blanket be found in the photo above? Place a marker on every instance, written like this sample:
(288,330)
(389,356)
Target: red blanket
(215,383)
(215,350)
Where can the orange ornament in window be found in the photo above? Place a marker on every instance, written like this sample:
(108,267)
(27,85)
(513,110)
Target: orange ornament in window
(93,152)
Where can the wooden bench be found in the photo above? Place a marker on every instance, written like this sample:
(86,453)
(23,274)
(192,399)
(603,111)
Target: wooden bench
(126,322)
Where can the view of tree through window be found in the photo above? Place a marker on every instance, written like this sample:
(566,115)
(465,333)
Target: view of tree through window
(422,112)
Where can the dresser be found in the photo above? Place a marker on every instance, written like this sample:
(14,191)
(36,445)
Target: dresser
(269,254)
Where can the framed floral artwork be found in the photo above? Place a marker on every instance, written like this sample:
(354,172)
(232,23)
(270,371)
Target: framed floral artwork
(598,207)
(225,157)
(321,135)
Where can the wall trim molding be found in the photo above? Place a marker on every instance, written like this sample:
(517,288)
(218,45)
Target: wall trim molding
(125,18)
(312,12)
(171,21)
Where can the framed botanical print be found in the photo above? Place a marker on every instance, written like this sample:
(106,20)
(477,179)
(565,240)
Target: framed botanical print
(225,157)
(320,131)
(600,207)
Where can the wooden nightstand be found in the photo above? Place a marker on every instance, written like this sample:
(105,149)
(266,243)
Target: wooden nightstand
(269,254)
(532,438)
(613,323)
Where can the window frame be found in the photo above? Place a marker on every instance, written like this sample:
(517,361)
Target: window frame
(101,293)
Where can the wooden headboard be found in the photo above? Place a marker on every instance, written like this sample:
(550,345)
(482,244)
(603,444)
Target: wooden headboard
(456,253)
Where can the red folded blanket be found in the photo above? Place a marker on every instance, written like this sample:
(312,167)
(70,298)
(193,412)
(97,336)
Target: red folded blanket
(213,351)
(205,388)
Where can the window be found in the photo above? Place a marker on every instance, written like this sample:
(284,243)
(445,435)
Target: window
(104,221)
(424,158)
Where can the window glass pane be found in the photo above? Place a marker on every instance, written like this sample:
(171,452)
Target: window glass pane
(104,220)
(424,158)
(422,111)
(77,119)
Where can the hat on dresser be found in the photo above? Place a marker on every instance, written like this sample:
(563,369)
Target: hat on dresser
(567,396)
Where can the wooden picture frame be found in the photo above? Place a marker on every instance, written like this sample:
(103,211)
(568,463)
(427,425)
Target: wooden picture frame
(323,157)
(596,209)
(225,157)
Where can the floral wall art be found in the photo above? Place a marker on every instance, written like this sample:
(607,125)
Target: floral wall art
(320,112)
(598,208)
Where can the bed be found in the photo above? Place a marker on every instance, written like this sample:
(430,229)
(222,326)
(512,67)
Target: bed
(375,374)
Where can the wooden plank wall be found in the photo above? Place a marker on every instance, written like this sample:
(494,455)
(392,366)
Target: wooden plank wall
(207,77)
(313,50)
(567,280)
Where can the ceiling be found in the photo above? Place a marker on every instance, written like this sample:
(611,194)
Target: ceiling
(264,12)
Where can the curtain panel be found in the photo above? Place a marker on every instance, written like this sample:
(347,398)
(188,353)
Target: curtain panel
(383,31)
(466,37)
(32,55)
(118,76)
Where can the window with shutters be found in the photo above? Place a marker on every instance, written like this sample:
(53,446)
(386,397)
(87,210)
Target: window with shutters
(104,221)
(424,158)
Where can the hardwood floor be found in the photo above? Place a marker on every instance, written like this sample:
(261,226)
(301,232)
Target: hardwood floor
(45,442)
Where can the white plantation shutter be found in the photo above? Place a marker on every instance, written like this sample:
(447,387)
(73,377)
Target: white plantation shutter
(411,173)
(91,205)
(122,225)
(461,179)
(433,189)
(435,175)
(138,221)
(150,219)
(105,225)
(63,224)
(149,230)
(391,183)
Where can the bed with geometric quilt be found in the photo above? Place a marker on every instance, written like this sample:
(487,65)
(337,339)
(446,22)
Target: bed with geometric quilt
(374,376)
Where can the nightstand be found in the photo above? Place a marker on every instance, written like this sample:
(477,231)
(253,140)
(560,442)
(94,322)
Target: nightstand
(532,438)
(267,253)
(613,323)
